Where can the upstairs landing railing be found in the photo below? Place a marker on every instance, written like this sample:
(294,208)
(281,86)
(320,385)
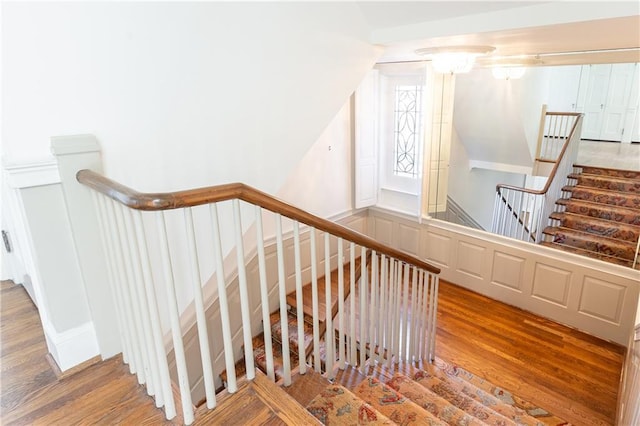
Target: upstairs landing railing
(523,213)
(175,241)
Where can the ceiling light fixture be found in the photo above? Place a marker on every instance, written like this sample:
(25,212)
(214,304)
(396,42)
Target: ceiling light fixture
(508,73)
(510,68)
(454,59)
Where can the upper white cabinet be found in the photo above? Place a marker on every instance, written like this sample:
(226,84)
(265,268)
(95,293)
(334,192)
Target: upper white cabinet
(607,94)
(611,106)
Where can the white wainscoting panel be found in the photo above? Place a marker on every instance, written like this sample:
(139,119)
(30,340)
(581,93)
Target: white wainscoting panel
(438,248)
(507,270)
(471,259)
(551,284)
(408,238)
(384,231)
(593,296)
(602,299)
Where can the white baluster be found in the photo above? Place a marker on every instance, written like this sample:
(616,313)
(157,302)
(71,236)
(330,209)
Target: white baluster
(314,302)
(282,291)
(352,305)
(153,374)
(244,294)
(329,334)
(413,314)
(373,305)
(163,366)
(420,313)
(434,319)
(143,363)
(106,232)
(302,361)
(430,302)
(363,307)
(341,324)
(174,318)
(201,319)
(389,330)
(382,308)
(264,297)
(232,386)
(396,313)
(405,314)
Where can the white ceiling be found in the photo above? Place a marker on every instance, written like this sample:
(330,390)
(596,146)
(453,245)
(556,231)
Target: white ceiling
(403,27)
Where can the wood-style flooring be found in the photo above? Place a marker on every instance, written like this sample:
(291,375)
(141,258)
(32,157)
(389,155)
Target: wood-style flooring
(571,374)
(32,394)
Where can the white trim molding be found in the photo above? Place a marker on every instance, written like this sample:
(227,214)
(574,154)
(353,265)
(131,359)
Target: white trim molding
(73,346)
(32,173)
(500,167)
(593,296)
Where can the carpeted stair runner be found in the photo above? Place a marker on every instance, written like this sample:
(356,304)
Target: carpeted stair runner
(396,406)
(438,394)
(601,217)
(336,405)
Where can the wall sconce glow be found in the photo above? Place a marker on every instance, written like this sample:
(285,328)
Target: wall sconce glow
(454,59)
(508,73)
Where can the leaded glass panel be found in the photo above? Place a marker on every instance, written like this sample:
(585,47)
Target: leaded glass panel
(407,126)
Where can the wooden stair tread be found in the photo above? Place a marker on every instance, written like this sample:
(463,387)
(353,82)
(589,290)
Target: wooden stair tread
(610,246)
(259,401)
(307,294)
(604,196)
(554,230)
(602,211)
(606,171)
(594,255)
(596,226)
(620,179)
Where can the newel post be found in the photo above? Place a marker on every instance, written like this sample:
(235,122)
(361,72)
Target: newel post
(74,153)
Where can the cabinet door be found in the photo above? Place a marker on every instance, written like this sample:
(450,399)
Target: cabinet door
(615,107)
(563,88)
(597,89)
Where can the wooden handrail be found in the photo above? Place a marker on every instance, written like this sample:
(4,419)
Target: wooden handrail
(555,167)
(211,194)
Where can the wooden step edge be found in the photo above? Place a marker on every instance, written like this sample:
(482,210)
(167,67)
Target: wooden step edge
(595,205)
(602,221)
(625,194)
(288,409)
(593,255)
(607,178)
(582,166)
(553,230)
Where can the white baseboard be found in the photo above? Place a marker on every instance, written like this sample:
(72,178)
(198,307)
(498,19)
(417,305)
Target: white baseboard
(72,347)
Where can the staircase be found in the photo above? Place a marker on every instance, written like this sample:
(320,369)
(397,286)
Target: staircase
(432,394)
(600,217)
(403,393)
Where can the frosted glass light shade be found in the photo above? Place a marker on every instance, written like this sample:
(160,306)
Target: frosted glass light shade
(456,63)
(454,59)
(508,73)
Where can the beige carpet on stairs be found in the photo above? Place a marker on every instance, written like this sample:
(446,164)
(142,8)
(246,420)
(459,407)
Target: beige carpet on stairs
(599,216)
(439,394)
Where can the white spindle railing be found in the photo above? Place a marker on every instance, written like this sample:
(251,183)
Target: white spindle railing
(385,312)
(523,213)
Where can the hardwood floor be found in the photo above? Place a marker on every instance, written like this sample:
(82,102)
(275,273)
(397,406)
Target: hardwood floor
(31,393)
(571,374)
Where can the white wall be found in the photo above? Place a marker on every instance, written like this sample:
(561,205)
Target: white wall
(474,189)
(181,94)
(322,182)
(497,120)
